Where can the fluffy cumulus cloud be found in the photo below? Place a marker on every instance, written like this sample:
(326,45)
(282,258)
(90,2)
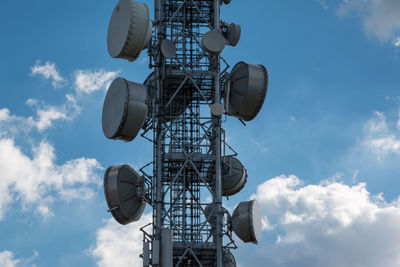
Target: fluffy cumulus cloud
(7,259)
(380,18)
(382,138)
(89,81)
(49,71)
(36,181)
(119,245)
(30,174)
(328,224)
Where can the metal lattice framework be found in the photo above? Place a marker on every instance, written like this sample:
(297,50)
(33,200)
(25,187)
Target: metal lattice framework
(187,145)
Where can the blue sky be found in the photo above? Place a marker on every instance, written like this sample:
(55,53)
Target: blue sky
(322,155)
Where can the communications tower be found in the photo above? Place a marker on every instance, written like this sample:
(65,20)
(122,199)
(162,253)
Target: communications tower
(180,108)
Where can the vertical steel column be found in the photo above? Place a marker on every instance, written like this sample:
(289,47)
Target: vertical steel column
(159,137)
(217,132)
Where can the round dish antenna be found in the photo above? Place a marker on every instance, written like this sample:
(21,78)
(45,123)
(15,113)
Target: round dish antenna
(234,176)
(129,31)
(246,221)
(246,90)
(229,259)
(213,42)
(124,189)
(232,34)
(168,48)
(124,110)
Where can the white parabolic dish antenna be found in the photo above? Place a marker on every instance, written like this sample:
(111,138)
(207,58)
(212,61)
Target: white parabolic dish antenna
(129,31)
(124,188)
(246,221)
(124,110)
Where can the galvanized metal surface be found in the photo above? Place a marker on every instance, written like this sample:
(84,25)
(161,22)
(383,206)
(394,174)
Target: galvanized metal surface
(248,85)
(129,31)
(124,191)
(124,110)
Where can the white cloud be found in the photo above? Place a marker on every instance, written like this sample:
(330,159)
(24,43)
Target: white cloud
(11,125)
(380,18)
(259,146)
(396,42)
(49,71)
(381,136)
(398,122)
(7,259)
(45,117)
(47,114)
(324,4)
(89,81)
(35,181)
(329,224)
(119,245)
(85,81)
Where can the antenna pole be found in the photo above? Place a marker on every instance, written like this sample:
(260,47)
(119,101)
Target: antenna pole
(217,131)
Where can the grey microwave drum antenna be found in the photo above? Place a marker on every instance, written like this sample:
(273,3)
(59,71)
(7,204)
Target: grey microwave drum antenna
(229,259)
(232,34)
(246,90)
(233,175)
(124,189)
(129,31)
(246,221)
(168,48)
(124,110)
(213,42)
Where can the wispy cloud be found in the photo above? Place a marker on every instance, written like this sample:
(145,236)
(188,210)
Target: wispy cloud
(7,259)
(262,148)
(84,81)
(46,114)
(89,81)
(49,71)
(324,4)
(396,42)
(380,18)
(381,137)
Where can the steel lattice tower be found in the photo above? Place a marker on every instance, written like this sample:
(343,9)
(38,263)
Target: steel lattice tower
(179,107)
